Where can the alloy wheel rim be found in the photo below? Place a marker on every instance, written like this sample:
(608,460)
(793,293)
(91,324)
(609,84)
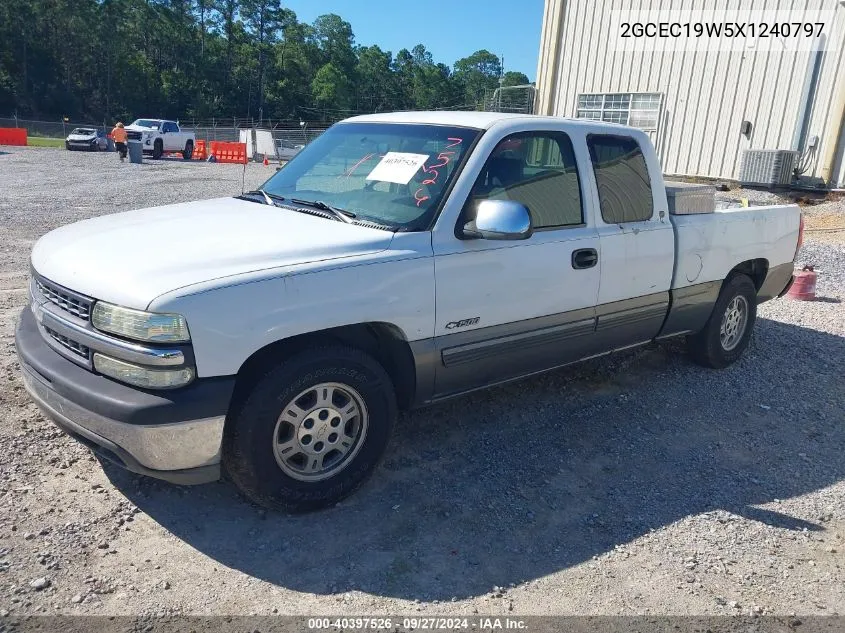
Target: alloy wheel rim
(734,322)
(320,431)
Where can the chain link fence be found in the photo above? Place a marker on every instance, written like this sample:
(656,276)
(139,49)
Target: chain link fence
(290,132)
(516,99)
(293,132)
(50,129)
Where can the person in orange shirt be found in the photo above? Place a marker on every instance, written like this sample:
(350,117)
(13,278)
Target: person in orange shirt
(119,136)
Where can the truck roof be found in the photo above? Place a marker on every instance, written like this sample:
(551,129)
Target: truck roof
(480,120)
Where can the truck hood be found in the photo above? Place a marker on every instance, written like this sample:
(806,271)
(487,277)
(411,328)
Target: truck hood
(140,128)
(131,258)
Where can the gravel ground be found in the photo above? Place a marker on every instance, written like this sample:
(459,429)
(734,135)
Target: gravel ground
(635,484)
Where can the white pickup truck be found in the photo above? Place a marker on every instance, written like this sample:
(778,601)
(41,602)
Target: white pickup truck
(158,136)
(397,260)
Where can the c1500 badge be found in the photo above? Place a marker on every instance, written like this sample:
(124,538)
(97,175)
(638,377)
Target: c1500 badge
(463,323)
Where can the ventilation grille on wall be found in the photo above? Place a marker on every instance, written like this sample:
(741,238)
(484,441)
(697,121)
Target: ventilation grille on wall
(768,167)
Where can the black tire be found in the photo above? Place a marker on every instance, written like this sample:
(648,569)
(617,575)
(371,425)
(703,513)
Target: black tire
(706,347)
(249,456)
(158,148)
(189,150)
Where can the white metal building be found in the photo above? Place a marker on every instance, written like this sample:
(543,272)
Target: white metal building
(697,103)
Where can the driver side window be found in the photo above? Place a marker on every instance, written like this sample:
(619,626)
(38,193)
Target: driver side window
(537,169)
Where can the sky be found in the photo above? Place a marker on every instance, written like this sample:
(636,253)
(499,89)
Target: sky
(449,29)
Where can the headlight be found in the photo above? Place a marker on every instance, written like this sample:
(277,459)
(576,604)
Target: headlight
(141,376)
(140,325)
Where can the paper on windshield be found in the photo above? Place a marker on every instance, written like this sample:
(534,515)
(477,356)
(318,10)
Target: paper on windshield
(398,167)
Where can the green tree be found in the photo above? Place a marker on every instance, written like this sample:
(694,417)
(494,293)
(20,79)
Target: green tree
(121,59)
(331,88)
(294,66)
(478,74)
(264,20)
(336,42)
(376,86)
(512,78)
(403,72)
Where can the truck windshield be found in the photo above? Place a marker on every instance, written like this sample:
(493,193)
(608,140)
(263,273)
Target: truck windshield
(82,131)
(393,174)
(151,123)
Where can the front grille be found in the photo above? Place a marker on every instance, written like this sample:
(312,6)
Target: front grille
(133,136)
(73,303)
(77,348)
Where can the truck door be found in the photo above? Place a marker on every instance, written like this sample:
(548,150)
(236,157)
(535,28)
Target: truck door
(171,138)
(505,308)
(636,237)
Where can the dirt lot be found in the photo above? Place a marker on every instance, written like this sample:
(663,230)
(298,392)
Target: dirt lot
(636,484)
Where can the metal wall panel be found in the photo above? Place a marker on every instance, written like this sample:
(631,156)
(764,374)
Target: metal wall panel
(706,94)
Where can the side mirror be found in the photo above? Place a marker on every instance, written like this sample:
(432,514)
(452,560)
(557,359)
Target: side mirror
(499,220)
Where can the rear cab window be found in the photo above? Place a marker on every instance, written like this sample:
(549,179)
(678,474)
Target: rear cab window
(622,178)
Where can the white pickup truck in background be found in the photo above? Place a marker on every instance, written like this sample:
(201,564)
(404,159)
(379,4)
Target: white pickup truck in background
(397,260)
(158,136)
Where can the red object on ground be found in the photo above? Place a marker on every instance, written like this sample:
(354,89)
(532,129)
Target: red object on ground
(266,162)
(13,136)
(199,151)
(804,286)
(229,152)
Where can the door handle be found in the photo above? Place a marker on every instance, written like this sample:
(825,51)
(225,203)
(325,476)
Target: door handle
(584,258)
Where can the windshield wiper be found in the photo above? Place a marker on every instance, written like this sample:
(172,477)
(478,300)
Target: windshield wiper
(341,214)
(268,197)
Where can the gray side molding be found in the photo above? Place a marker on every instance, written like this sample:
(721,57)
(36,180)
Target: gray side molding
(691,307)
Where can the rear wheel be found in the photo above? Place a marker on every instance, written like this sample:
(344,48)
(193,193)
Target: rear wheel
(158,148)
(728,330)
(189,150)
(312,429)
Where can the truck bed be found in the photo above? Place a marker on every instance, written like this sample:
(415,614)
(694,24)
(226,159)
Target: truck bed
(710,245)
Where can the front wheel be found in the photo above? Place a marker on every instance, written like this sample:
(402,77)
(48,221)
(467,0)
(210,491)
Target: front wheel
(728,330)
(189,150)
(312,430)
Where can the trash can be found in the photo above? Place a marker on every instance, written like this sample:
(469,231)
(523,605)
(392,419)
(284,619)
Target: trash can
(136,152)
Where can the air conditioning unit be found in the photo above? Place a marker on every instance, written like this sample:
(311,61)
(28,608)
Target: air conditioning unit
(767,167)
